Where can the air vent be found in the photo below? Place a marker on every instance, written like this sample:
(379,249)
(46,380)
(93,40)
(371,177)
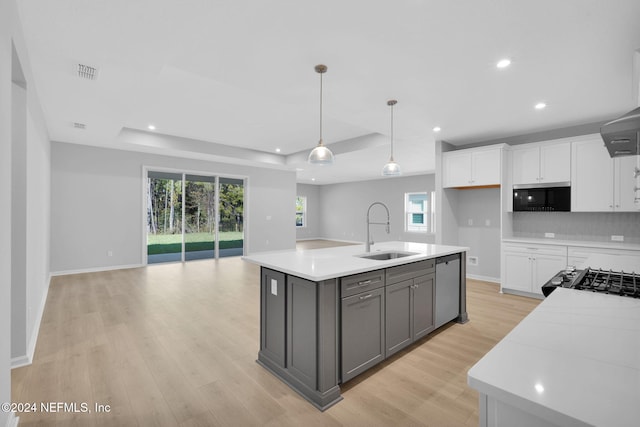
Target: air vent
(77,125)
(87,72)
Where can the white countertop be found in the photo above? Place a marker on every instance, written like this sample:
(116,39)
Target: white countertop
(577,243)
(329,263)
(574,359)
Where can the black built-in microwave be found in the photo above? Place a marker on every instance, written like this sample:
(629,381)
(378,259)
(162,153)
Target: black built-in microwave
(555,197)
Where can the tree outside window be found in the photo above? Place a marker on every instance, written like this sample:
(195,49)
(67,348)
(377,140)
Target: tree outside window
(301,211)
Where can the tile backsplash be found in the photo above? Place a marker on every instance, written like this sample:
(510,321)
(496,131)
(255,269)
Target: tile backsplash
(587,226)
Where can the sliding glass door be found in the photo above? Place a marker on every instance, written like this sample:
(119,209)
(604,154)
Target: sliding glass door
(164,217)
(193,217)
(199,217)
(231,208)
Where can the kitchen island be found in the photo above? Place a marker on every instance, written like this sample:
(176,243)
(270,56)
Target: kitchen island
(327,315)
(573,361)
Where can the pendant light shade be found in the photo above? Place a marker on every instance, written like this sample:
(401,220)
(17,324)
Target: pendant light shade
(321,155)
(391,168)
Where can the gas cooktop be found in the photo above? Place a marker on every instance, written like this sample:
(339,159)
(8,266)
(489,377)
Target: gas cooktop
(596,280)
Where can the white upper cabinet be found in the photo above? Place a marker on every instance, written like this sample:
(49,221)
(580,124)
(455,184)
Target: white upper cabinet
(539,164)
(471,167)
(624,184)
(598,182)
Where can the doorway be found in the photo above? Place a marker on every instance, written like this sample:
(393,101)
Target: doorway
(193,216)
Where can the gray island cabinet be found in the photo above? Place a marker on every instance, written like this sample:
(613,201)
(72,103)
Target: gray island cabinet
(327,315)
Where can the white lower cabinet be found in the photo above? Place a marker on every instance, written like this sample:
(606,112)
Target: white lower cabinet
(580,256)
(526,267)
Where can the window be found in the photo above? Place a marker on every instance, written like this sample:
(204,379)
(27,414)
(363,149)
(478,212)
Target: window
(301,211)
(419,217)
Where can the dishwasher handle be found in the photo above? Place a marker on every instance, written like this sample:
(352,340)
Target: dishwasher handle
(447,259)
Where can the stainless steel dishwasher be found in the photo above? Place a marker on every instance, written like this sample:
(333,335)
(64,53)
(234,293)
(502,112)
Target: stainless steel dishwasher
(447,306)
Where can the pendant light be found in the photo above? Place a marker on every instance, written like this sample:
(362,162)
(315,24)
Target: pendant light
(391,168)
(321,155)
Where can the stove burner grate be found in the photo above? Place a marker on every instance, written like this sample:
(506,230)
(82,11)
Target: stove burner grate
(610,282)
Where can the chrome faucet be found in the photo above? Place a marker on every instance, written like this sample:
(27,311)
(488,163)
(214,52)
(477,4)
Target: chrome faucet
(369,242)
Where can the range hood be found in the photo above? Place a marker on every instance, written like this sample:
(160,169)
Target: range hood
(622,136)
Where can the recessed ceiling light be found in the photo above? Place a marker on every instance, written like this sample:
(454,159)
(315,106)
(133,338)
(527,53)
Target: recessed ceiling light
(503,63)
(313,179)
(540,106)
(151,127)
(437,129)
(277,150)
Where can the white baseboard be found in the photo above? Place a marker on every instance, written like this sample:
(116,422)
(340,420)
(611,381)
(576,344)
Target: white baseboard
(27,359)
(95,269)
(484,278)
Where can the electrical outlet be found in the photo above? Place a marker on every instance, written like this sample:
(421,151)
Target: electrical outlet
(470,222)
(472,260)
(487,222)
(616,238)
(109,253)
(550,235)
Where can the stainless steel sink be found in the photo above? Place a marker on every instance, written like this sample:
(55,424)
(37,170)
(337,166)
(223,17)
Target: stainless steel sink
(383,256)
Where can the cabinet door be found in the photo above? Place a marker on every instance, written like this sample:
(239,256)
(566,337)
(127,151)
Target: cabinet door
(545,267)
(457,169)
(591,177)
(517,271)
(363,332)
(423,295)
(526,165)
(555,162)
(624,184)
(485,167)
(272,321)
(302,331)
(398,316)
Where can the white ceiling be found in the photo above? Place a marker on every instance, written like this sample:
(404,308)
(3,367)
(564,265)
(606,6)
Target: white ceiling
(231,77)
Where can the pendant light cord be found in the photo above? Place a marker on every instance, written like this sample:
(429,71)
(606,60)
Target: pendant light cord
(320,108)
(391,158)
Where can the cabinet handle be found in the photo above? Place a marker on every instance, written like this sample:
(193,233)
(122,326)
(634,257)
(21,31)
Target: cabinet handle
(366,296)
(364,282)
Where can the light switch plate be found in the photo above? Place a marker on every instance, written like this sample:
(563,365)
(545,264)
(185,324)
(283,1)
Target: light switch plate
(550,235)
(616,238)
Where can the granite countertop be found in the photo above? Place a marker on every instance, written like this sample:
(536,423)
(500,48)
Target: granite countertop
(574,359)
(578,243)
(329,263)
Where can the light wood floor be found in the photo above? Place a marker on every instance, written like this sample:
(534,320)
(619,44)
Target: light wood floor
(176,344)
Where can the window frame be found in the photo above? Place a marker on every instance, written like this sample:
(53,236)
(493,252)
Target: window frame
(427,212)
(303,212)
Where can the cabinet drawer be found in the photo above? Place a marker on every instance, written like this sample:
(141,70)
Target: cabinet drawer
(584,252)
(409,271)
(535,248)
(351,285)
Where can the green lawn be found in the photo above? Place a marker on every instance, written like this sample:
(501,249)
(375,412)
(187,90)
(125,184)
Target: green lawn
(172,243)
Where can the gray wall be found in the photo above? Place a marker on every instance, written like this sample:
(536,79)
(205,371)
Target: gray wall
(7,14)
(590,226)
(311,230)
(344,208)
(97,205)
(25,255)
(475,208)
